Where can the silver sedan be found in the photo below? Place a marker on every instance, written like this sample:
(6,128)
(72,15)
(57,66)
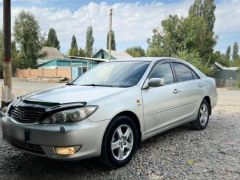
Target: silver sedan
(110,110)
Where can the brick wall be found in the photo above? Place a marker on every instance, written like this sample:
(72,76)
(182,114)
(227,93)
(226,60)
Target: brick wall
(44,73)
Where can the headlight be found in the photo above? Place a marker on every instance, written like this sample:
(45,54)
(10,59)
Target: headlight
(70,116)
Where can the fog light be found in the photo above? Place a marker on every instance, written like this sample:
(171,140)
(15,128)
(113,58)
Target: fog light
(66,150)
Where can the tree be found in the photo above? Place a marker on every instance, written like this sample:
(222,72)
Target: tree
(196,9)
(235,51)
(81,52)
(195,59)
(205,9)
(208,13)
(136,51)
(113,43)
(89,42)
(52,40)
(74,47)
(228,52)
(220,58)
(27,36)
(155,44)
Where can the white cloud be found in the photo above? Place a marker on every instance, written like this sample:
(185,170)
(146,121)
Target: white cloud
(228,17)
(132,22)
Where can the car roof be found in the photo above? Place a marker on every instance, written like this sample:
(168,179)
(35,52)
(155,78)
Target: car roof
(154,59)
(150,59)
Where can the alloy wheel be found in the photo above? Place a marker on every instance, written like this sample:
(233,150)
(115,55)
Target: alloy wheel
(203,114)
(122,142)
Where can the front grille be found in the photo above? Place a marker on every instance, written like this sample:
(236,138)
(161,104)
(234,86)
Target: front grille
(29,147)
(26,114)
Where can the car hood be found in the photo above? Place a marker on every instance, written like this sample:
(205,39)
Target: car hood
(71,94)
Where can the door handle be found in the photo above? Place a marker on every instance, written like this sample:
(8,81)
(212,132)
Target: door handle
(200,85)
(175,91)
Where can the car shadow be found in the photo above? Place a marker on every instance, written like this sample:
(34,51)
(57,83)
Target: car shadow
(27,166)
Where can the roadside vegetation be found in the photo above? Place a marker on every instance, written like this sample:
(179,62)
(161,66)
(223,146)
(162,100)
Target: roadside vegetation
(191,38)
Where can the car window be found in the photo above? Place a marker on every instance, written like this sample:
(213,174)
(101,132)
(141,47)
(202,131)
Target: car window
(195,76)
(163,71)
(183,73)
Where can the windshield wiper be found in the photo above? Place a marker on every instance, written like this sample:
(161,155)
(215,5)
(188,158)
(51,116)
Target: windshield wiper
(101,85)
(71,84)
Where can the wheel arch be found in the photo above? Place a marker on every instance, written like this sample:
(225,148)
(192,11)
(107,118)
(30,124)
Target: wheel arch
(207,98)
(136,121)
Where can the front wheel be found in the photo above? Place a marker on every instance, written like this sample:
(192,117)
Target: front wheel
(203,116)
(120,142)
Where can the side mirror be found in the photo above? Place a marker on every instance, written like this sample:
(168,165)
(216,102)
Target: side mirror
(155,82)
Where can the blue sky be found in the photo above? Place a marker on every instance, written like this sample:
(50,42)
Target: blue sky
(133,20)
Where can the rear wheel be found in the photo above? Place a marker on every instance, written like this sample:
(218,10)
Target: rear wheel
(203,116)
(120,142)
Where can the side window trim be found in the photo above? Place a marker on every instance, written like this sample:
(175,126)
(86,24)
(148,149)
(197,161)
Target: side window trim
(161,63)
(157,63)
(191,70)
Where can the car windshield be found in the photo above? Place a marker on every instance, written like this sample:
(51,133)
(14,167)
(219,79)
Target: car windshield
(114,74)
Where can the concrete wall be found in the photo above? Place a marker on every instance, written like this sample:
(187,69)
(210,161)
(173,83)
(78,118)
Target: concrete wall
(44,73)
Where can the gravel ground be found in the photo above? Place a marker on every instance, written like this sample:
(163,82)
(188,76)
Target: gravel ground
(180,153)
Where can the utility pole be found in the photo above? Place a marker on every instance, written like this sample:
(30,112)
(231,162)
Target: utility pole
(7,65)
(110,35)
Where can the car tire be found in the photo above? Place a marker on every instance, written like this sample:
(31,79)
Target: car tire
(203,116)
(117,149)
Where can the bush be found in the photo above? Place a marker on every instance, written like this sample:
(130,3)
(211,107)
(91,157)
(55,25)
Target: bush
(197,61)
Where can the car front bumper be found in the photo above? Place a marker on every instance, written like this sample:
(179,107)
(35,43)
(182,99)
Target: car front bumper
(41,139)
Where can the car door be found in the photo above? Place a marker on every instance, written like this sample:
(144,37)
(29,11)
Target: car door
(161,104)
(191,87)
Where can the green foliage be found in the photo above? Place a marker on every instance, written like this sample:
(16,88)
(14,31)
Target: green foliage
(81,52)
(52,40)
(196,9)
(136,51)
(155,46)
(179,34)
(74,47)
(89,42)
(228,52)
(208,13)
(113,42)
(190,37)
(195,59)
(235,51)
(220,58)
(27,36)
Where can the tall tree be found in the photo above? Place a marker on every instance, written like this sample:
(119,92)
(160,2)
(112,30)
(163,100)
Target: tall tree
(113,42)
(89,42)
(81,52)
(136,51)
(196,9)
(228,52)
(74,47)
(155,44)
(27,36)
(235,51)
(209,13)
(52,40)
